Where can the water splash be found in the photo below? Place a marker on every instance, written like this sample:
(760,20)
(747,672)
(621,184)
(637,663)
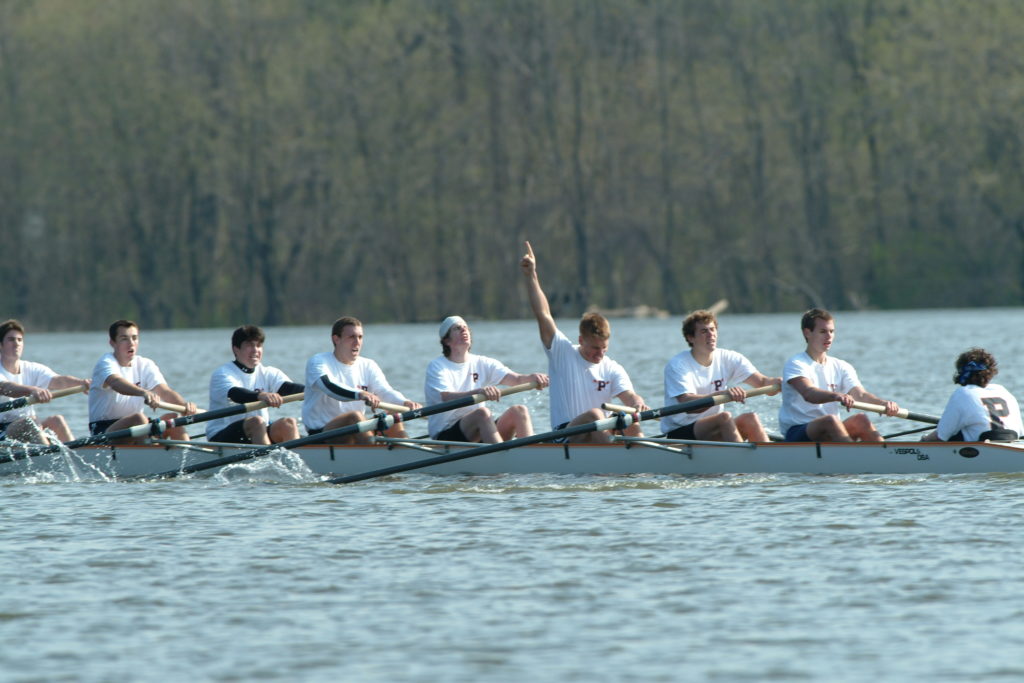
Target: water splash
(279,466)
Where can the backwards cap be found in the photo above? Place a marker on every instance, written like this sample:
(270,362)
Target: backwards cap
(450,322)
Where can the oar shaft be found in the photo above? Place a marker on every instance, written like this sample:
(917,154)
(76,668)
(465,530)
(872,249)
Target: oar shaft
(903,413)
(617,422)
(722,397)
(359,427)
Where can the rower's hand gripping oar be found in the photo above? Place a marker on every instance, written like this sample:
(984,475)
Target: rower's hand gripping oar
(905,414)
(620,421)
(254,405)
(379,421)
(151,428)
(32,400)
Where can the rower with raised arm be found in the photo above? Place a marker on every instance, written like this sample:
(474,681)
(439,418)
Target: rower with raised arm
(582,376)
(20,378)
(815,386)
(457,373)
(245,380)
(340,382)
(123,383)
(978,410)
(705,369)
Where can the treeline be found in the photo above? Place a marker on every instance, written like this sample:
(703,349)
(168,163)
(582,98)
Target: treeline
(209,162)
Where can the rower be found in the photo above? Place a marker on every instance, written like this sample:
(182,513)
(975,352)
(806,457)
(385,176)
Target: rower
(341,381)
(245,380)
(978,410)
(123,383)
(704,369)
(457,373)
(815,386)
(582,376)
(24,378)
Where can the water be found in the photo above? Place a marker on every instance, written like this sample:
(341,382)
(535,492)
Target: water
(263,573)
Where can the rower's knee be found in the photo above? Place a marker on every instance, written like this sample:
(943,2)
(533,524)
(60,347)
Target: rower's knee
(284,429)
(519,412)
(828,428)
(254,422)
(481,414)
(590,416)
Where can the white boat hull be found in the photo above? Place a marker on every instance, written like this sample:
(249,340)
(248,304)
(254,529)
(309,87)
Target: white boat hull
(891,458)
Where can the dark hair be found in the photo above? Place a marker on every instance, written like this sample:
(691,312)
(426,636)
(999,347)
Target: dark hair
(8,325)
(445,349)
(807,322)
(982,359)
(695,318)
(595,325)
(247,333)
(117,324)
(341,323)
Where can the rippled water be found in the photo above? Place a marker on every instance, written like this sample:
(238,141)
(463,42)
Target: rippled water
(263,573)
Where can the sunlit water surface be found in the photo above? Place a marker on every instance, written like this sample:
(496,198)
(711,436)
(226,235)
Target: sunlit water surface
(264,573)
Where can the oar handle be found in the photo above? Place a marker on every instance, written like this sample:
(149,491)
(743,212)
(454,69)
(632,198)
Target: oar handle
(260,405)
(616,408)
(58,393)
(392,407)
(507,391)
(174,407)
(903,413)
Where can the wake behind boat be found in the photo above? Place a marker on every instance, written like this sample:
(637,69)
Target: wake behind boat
(625,457)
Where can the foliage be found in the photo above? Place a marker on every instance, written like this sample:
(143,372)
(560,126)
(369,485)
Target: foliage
(213,162)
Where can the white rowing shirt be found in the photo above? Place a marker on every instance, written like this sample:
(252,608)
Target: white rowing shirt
(685,375)
(832,375)
(444,375)
(320,407)
(263,378)
(973,410)
(107,404)
(577,385)
(31,375)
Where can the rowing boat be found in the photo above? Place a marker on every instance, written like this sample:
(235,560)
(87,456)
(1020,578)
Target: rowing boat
(627,456)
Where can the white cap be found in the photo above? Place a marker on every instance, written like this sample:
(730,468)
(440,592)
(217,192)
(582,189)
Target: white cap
(450,322)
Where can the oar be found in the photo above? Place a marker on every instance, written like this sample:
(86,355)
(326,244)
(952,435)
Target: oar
(174,407)
(151,428)
(905,414)
(618,408)
(32,400)
(376,422)
(907,432)
(392,407)
(620,421)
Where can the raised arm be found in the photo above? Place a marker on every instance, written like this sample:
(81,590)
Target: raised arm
(538,300)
